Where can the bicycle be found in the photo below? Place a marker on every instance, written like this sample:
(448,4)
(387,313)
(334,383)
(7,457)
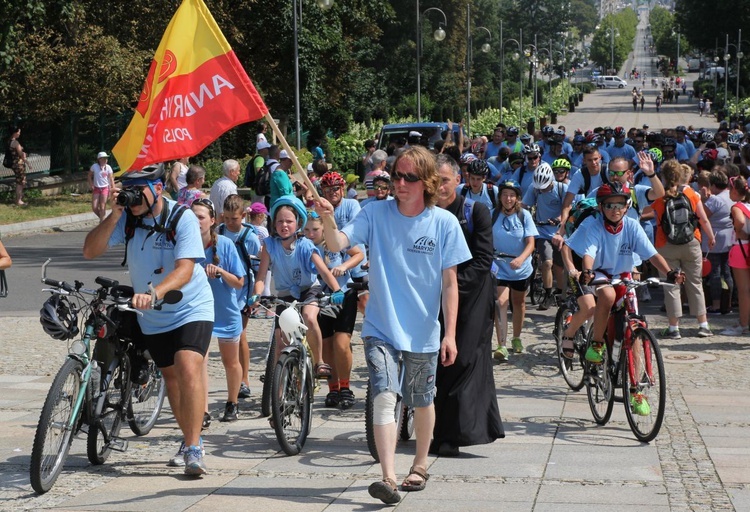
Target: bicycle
(536,283)
(632,360)
(573,368)
(403,413)
(293,385)
(84,392)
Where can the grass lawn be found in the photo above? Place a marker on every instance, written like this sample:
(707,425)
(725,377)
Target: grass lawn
(45,207)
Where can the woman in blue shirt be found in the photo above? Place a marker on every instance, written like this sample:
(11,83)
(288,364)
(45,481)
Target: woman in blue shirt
(513,233)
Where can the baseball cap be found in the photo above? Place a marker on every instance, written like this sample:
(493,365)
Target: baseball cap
(414,134)
(263,145)
(283,154)
(258,208)
(102,154)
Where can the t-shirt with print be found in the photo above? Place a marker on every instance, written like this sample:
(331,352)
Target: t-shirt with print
(101,175)
(406,284)
(227,316)
(509,234)
(293,271)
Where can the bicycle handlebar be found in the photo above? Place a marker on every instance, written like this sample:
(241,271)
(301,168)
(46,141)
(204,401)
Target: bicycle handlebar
(265,300)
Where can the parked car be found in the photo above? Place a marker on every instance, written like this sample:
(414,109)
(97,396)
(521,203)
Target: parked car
(694,65)
(429,132)
(610,82)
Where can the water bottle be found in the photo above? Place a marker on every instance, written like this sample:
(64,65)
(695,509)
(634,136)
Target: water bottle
(616,350)
(96,378)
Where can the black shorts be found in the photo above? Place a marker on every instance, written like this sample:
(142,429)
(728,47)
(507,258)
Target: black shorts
(344,321)
(519,286)
(306,295)
(195,336)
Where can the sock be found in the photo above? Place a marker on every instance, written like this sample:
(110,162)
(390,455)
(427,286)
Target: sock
(548,292)
(333,386)
(344,383)
(673,328)
(703,324)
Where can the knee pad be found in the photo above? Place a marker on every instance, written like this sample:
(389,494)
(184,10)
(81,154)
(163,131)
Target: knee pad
(384,408)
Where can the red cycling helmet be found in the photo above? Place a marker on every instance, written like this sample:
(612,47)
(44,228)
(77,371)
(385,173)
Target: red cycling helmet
(615,189)
(332,179)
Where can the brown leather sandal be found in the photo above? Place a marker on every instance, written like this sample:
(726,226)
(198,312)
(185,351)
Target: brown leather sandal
(386,491)
(409,485)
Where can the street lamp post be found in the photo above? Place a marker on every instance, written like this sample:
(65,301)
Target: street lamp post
(677,62)
(297,8)
(550,68)
(726,72)
(739,56)
(520,82)
(439,35)
(485,49)
(612,32)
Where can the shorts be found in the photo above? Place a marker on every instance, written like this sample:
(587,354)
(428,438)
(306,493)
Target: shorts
(194,336)
(736,258)
(306,295)
(344,321)
(102,191)
(519,286)
(548,252)
(417,386)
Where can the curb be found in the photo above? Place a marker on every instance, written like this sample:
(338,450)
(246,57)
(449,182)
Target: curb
(42,224)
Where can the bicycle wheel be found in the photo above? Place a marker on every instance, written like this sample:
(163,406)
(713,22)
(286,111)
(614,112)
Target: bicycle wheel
(290,404)
(406,422)
(110,408)
(53,436)
(404,426)
(146,401)
(572,369)
(267,378)
(600,389)
(537,290)
(643,378)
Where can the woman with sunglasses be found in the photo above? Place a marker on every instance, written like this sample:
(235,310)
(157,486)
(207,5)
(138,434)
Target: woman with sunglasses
(687,256)
(513,235)
(226,274)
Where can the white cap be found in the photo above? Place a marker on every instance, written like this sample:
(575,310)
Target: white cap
(102,154)
(283,154)
(309,167)
(263,145)
(414,134)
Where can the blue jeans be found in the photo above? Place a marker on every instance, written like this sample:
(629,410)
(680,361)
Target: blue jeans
(418,385)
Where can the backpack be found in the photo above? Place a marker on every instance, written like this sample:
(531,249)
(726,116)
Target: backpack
(263,180)
(167,225)
(582,210)
(250,171)
(587,179)
(491,192)
(8,159)
(251,266)
(679,220)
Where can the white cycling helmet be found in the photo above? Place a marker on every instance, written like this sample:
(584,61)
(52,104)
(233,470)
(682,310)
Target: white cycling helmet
(543,176)
(291,324)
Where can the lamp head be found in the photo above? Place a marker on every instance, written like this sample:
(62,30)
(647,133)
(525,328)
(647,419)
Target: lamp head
(325,4)
(486,48)
(439,34)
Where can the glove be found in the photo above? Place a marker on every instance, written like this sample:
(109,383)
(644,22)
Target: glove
(253,299)
(337,297)
(672,275)
(585,277)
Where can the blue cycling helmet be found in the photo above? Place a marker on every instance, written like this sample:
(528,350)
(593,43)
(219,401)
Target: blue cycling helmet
(294,202)
(510,185)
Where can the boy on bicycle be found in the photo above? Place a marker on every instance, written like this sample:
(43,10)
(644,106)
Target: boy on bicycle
(606,243)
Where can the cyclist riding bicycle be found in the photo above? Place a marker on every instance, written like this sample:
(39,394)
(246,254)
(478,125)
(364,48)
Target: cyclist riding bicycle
(607,244)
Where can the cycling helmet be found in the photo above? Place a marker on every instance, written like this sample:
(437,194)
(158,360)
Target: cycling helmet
(561,163)
(296,204)
(734,139)
(332,179)
(467,158)
(58,318)
(148,173)
(382,176)
(710,154)
(707,136)
(619,131)
(593,138)
(479,168)
(525,138)
(670,142)
(512,130)
(579,139)
(510,184)
(548,130)
(656,155)
(614,189)
(531,148)
(608,129)
(543,176)
(681,128)
(515,158)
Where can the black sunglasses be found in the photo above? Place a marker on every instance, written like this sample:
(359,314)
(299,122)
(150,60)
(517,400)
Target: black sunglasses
(205,202)
(406,176)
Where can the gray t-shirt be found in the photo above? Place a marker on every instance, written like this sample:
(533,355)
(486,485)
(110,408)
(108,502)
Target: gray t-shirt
(721,222)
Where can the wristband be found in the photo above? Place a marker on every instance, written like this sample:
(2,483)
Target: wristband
(649,175)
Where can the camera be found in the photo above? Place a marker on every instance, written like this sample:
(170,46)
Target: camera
(130,197)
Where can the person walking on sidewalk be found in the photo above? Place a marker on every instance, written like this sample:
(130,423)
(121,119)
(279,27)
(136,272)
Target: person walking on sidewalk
(402,321)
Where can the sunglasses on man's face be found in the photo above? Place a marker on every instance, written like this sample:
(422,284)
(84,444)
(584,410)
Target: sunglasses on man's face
(617,173)
(406,176)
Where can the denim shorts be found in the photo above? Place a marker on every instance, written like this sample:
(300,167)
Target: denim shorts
(417,386)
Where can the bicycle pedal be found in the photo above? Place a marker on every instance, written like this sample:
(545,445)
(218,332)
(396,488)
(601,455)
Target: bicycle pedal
(118,444)
(263,378)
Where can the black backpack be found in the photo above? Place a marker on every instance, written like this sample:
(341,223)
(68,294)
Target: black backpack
(490,192)
(263,180)
(587,179)
(166,226)
(679,220)
(250,172)
(8,159)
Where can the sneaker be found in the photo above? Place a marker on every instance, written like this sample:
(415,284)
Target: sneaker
(194,465)
(517,345)
(206,421)
(179,458)
(332,399)
(671,335)
(704,332)
(640,405)
(231,412)
(346,398)
(713,312)
(244,391)
(547,301)
(501,354)
(737,330)
(595,353)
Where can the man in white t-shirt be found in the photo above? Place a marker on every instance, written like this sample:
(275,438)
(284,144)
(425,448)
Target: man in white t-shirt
(409,282)
(224,187)
(101,182)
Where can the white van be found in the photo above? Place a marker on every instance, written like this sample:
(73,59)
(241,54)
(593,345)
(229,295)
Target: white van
(610,82)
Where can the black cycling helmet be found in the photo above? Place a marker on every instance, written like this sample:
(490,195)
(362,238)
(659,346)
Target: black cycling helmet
(479,168)
(512,130)
(58,318)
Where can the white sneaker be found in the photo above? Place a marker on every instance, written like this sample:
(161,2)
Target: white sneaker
(179,458)
(737,330)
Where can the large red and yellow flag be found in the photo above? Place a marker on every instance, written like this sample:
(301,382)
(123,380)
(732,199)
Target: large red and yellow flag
(196,89)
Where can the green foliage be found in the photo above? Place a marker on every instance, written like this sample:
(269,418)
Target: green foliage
(604,47)
(346,152)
